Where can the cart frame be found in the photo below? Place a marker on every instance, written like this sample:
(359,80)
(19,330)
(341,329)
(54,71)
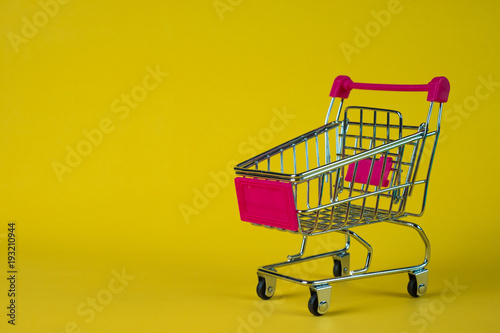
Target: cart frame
(371,144)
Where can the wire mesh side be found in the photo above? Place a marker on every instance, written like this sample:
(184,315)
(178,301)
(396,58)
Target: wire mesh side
(317,162)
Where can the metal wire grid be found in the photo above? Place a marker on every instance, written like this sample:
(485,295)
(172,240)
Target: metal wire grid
(315,164)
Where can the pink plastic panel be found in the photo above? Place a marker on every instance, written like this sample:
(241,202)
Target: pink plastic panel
(266,202)
(364,171)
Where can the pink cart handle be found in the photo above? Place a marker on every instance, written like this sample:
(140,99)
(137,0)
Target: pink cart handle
(437,90)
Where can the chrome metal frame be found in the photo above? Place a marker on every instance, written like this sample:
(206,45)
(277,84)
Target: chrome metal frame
(326,202)
(352,274)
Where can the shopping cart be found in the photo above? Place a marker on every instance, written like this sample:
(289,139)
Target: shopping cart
(368,167)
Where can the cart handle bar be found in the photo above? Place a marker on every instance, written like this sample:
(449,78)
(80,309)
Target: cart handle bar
(437,90)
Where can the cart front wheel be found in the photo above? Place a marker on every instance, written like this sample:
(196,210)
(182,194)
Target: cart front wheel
(412,286)
(263,291)
(316,305)
(417,286)
(313,304)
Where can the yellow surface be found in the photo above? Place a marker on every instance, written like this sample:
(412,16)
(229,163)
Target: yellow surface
(160,99)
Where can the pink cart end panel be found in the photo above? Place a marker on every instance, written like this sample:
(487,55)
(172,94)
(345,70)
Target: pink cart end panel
(266,202)
(363,172)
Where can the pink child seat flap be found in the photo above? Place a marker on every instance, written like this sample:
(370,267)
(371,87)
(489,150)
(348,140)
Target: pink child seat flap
(266,202)
(363,172)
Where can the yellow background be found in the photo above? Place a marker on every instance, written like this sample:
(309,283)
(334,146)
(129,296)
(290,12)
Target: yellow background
(230,69)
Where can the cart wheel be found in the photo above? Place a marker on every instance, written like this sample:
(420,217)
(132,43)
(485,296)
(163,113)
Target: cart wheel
(261,289)
(320,299)
(341,264)
(417,286)
(313,304)
(412,286)
(337,268)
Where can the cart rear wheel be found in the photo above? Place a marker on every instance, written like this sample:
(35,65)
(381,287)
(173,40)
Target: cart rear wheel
(261,289)
(337,268)
(412,286)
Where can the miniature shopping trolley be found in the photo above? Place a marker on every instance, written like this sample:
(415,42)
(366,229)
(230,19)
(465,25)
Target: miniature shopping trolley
(366,168)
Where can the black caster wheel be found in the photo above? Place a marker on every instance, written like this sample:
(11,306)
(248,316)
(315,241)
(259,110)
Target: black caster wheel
(313,304)
(316,305)
(341,264)
(262,288)
(417,286)
(337,268)
(412,286)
